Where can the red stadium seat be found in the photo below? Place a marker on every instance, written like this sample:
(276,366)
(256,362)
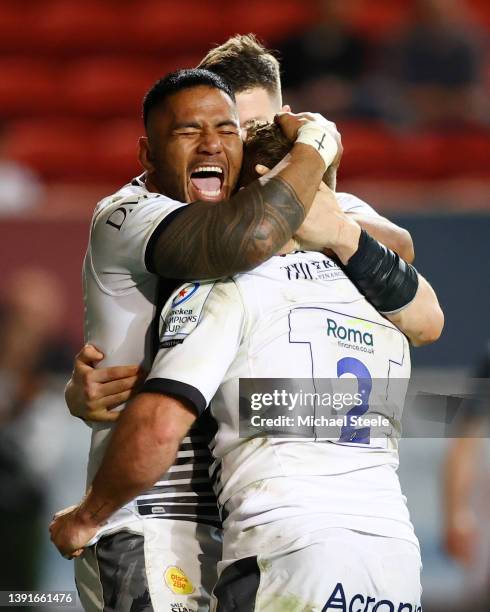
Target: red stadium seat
(58,150)
(422,156)
(272,20)
(443,155)
(116,150)
(480,10)
(380,19)
(29,87)
(13,21)
(468,153)
(80,26)
(369,150)
(105,87)
(177,25)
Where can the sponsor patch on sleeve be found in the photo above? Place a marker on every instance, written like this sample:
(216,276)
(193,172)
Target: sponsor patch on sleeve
(177,581)
(183,312)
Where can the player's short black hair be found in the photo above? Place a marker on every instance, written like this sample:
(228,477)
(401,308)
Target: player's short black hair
(178,81)
(245,63)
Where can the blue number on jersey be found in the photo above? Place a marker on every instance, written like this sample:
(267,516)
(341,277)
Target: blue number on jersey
(349,433)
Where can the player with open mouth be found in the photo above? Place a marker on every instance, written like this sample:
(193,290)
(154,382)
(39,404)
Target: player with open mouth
(206,182)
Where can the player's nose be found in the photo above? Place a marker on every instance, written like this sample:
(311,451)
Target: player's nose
(210,143)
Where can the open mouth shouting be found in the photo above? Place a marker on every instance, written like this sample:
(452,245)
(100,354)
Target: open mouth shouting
(207,183)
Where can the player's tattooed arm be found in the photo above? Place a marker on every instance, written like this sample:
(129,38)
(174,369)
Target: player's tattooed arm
(213,240)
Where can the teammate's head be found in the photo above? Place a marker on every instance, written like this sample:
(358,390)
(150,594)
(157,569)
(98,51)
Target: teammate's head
(267,145)
(192,149)
(253,72)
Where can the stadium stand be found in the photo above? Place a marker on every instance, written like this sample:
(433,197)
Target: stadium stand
(72,83)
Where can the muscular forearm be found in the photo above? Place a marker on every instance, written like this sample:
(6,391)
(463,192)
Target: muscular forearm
(391,235)
(142,448)
(422,320)
(213,240)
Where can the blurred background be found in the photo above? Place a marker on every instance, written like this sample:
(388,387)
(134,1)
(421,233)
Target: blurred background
(407,81)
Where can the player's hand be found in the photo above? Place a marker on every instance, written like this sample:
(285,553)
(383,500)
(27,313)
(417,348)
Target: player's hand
(326,224)
(461,536)
(69,533)
(290,124)
(92,393)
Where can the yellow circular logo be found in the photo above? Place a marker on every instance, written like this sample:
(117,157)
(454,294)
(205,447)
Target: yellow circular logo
(177,581)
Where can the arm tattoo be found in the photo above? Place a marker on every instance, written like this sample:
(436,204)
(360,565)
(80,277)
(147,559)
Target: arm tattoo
(214,240)
(95,514)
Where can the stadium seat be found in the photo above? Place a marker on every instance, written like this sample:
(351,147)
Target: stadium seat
(271,20)
(422,155)
(13,21)
(115,150)
(80,26)
(380,19)
(109,87)
(468,153)
(57,150)
(369,150)
(480,10)
(177,25)
(29,87)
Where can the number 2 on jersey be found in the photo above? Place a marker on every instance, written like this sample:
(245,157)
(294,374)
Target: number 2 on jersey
(304,324)
(348,433)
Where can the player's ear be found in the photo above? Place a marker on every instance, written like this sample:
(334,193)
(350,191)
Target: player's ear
(144,154)
(286,108)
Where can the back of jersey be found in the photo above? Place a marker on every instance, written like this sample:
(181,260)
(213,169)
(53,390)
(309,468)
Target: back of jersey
(321,373)
(291,340)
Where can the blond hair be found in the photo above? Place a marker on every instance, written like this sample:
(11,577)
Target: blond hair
(245,63)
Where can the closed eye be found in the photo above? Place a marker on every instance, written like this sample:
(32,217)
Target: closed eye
(187,132)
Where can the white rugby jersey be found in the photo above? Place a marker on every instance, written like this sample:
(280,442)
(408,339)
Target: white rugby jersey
(122,299)
(350,203)
(296,316)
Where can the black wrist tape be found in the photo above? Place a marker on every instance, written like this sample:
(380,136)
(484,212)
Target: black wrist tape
(387,281)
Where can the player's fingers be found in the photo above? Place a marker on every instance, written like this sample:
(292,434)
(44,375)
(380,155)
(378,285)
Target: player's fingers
(286,108)
(103,415)
(261,169)
(112,401)
(104,375)
(76,553)
(57,515)
(89,354)
(117,386)
(282,116)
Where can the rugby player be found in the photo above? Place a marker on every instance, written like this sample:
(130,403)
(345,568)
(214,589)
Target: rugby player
(192,153)
(346,490)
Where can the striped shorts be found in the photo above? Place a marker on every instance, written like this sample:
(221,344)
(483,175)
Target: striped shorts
(152,565)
